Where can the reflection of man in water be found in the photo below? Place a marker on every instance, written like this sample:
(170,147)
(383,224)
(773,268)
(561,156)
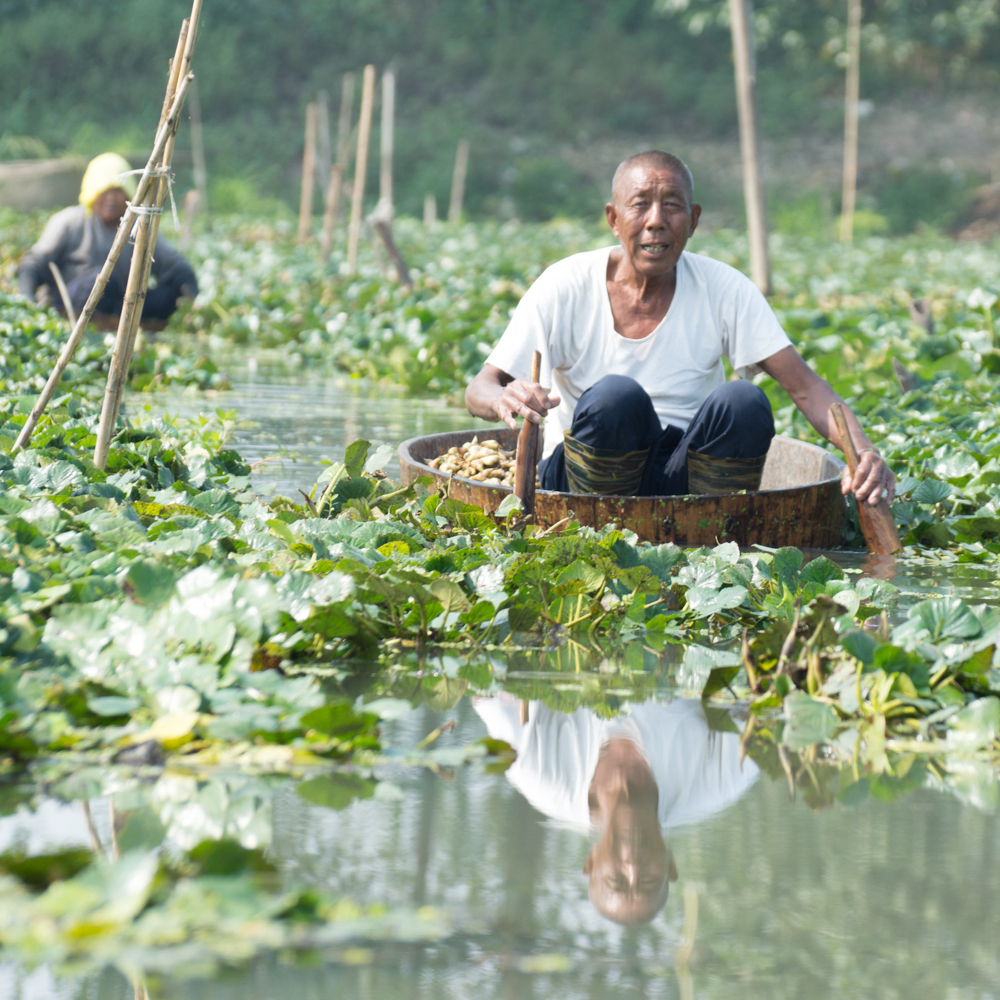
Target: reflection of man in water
(631,777)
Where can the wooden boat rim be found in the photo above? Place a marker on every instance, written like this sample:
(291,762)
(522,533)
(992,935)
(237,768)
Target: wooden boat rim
(406,457)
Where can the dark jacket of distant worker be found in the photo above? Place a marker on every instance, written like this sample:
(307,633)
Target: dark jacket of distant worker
(78,239)
(632,340)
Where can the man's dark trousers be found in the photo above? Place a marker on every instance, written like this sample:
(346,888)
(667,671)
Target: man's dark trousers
(616,413)
(160,303)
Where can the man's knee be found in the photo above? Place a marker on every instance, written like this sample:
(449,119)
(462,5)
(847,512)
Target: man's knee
(613,392)
(746,403)
(616,413)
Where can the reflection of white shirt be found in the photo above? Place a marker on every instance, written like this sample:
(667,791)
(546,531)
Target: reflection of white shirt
(697,770)
(566,315)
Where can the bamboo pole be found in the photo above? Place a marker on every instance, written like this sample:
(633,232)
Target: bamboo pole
(877,523)
(744,62)
(385,157)
(330,214)
(145,244)
(189,211)
(323,154)
(430,211)
(852,93)
(181,63)
(384,229)
(100,283)
(308,173)
(63,293)
(360,167)
(198,148)
(344,123)
(458,181)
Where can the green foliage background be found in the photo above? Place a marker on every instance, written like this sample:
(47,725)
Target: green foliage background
(525,81)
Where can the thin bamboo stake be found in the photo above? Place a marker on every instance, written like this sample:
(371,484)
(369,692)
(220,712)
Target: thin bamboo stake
(189,211)
(852,92)
(142,255)
(308,173)
(100,283)
(430,211)
(63,293)
(384,228)
(458,181)
(385,159)
(744,62)
(198,148)
(323,154)
(332,203)
(344,124)
(360,167)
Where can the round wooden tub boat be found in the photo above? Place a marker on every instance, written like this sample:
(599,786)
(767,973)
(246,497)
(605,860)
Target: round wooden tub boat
(799,502)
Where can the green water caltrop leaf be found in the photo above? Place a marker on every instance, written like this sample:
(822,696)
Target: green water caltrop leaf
(335,791)
(807,721)
(976,725)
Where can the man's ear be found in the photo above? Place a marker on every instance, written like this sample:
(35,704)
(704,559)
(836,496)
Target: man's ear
(588,865)
(695,216)
(612,214)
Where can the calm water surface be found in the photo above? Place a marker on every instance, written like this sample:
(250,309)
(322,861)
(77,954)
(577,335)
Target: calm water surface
(583,871)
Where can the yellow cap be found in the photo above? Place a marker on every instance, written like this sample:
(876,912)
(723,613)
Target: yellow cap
(103,173)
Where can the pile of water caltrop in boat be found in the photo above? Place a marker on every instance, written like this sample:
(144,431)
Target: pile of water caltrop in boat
(486,462)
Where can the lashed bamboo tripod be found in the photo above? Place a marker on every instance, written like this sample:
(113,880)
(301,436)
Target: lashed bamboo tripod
(527,451)
(877,523)
(147,230)
(124,228)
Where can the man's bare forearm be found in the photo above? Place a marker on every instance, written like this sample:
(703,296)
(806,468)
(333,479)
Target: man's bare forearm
(482,394)
(495,395)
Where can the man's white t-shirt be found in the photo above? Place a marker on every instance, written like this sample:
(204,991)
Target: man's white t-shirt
(698,771)
(716,312)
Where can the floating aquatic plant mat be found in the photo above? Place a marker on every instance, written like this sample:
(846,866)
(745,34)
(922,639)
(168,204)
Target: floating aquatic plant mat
(163,626)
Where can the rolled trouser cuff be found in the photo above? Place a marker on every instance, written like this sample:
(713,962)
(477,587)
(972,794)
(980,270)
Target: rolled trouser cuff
(715,476)
(603,470)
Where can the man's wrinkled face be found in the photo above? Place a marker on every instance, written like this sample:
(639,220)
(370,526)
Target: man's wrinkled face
(653,217)
(110,206)
(630,867)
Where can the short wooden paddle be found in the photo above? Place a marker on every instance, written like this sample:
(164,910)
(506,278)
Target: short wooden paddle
(877,523)
(527,451)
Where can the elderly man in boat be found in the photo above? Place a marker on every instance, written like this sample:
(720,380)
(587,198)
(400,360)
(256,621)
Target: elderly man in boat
(632,340)
(77,241)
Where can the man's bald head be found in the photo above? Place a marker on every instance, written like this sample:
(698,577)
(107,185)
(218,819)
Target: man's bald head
(658,160)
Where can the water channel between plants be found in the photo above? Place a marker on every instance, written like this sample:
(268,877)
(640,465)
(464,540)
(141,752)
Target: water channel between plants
(784,879)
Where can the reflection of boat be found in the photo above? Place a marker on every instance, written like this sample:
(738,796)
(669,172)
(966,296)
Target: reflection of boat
(799,502)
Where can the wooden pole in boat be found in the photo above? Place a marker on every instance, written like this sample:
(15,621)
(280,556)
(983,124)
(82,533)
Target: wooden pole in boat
(308,173)
(458,181)
(877,523)
(744,62)
(360,167)
(852,93)
(527,451)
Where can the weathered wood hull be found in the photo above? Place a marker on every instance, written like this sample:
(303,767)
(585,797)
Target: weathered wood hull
(799,502)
